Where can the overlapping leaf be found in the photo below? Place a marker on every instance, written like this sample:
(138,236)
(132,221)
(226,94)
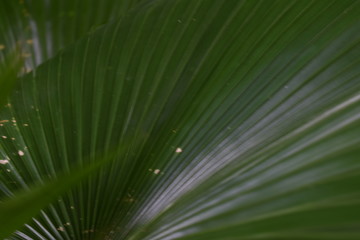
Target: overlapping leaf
(42,28)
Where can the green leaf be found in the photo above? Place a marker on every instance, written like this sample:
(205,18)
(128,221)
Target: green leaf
(15,211)
(42,28)
(9,70)
(243,119)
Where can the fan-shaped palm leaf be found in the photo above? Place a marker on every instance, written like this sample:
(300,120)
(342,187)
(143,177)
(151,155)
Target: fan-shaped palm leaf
(237,119)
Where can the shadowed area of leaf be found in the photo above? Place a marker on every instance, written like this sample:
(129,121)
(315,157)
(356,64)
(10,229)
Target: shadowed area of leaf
(10,67)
